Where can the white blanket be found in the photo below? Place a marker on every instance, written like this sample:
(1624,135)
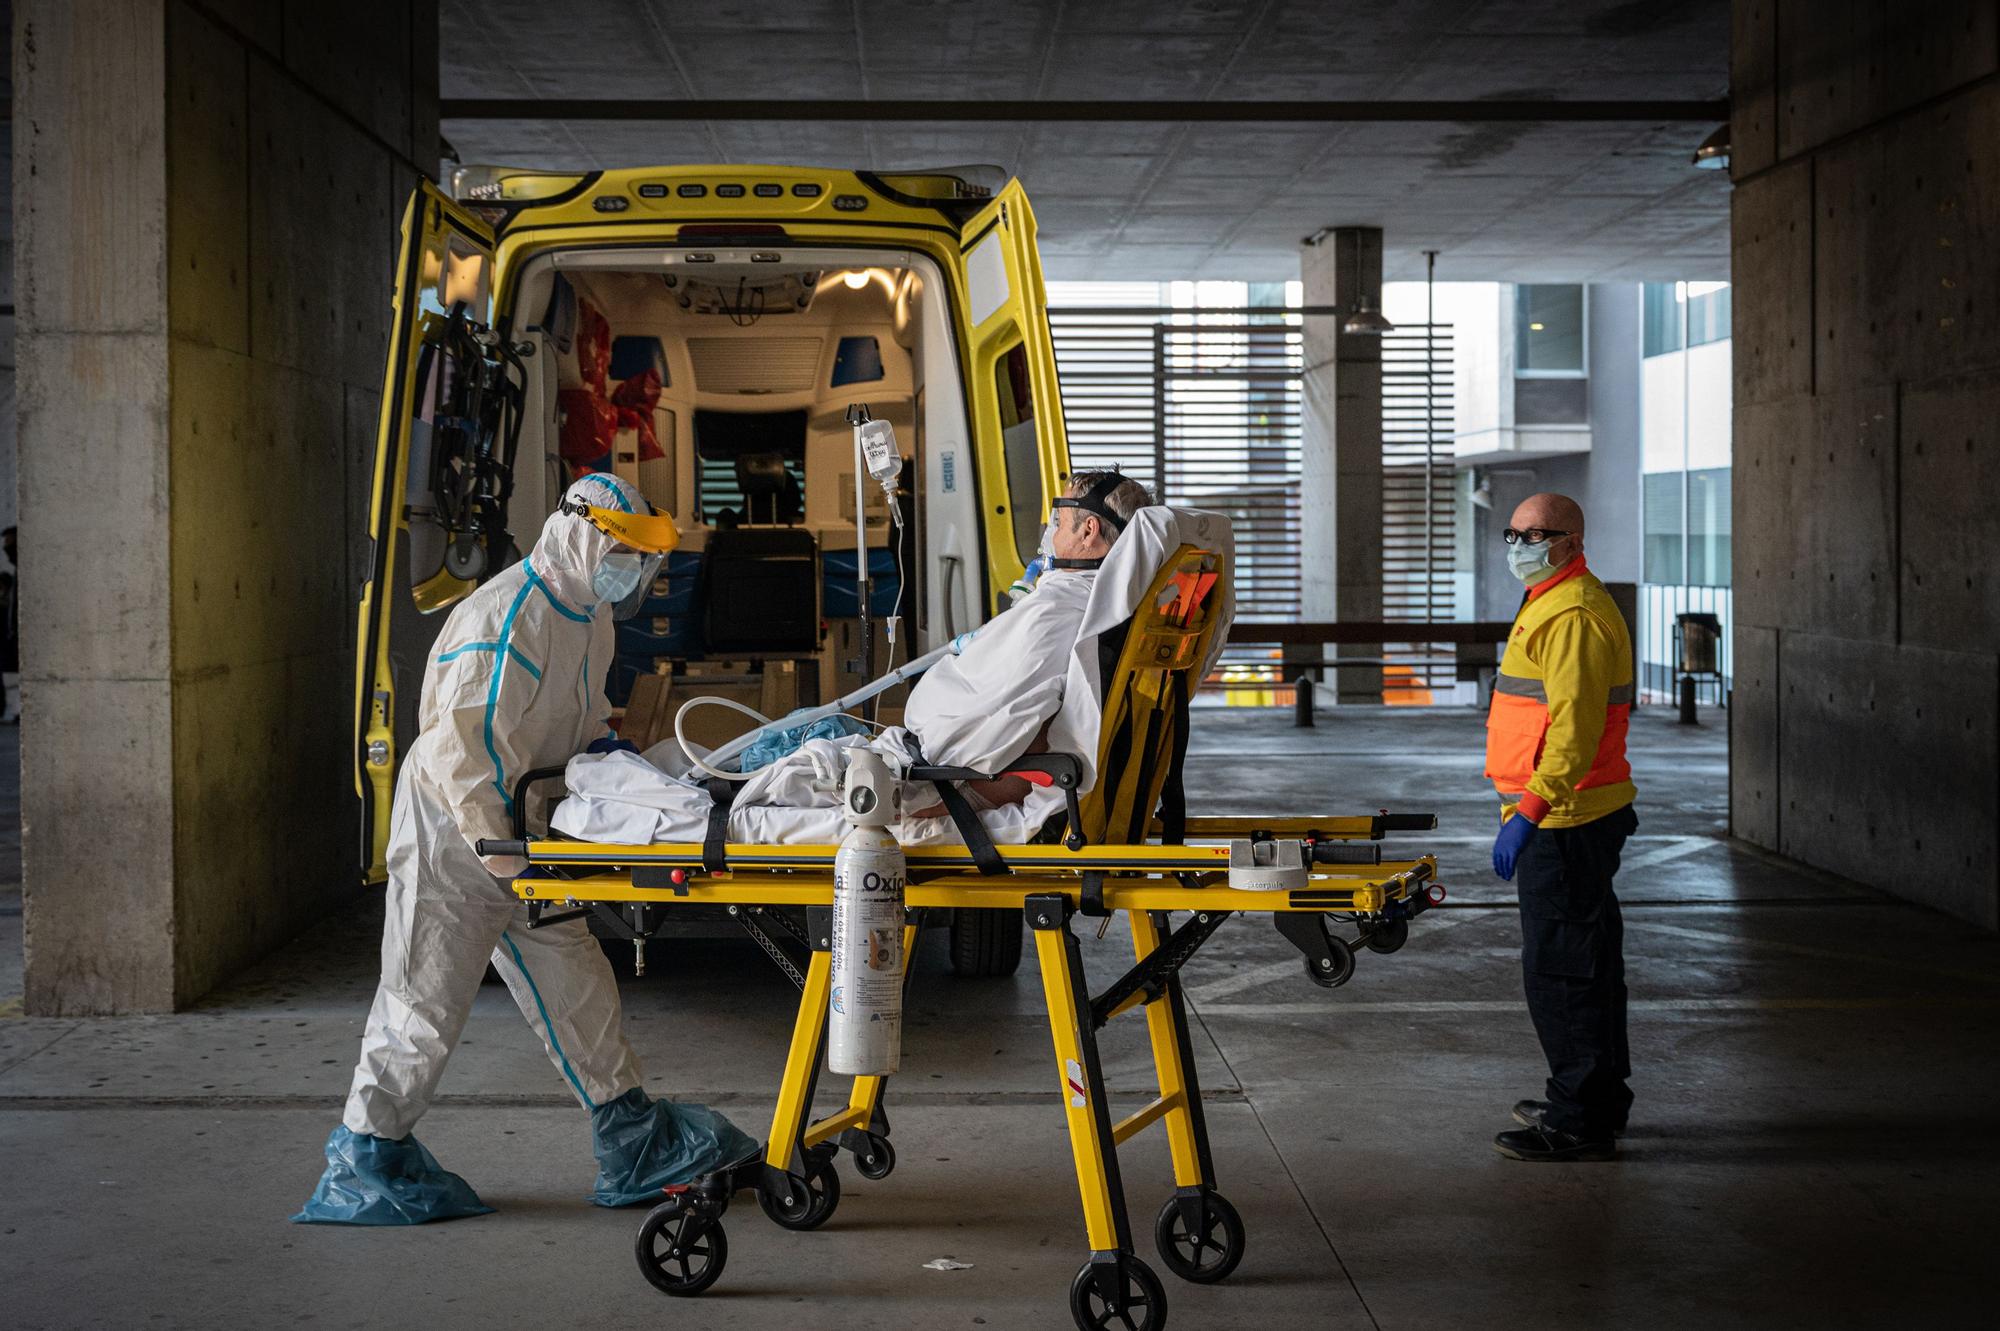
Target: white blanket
(981,710)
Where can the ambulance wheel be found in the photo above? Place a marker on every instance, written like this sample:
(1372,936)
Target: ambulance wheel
(986,943)
(1334,969)
(1206,1257)
(878,1161)
(681,1252)
(1141,1303)
(1389,937)
(808,1207)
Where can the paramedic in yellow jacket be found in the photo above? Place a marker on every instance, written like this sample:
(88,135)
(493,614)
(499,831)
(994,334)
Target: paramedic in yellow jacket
(1555,751)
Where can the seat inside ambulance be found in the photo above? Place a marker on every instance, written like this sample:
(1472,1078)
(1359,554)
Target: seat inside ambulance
(724,394)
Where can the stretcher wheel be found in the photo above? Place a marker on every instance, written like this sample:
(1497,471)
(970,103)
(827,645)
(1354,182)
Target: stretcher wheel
(878,1161)
(1141,1304)
(1206,1256)
(808,1207)
(681,1251)
(1389,937)
(1336,967)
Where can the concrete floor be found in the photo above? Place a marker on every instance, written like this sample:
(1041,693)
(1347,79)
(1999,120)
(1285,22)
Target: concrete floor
(1813,1143)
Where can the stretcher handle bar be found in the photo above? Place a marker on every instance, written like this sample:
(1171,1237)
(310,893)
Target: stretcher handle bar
(1062,770)
(1347,852)
(501,846)
(528,778)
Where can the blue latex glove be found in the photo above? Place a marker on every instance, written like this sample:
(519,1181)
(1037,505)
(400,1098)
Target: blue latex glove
(775,744)
(1507,847)
(612,744)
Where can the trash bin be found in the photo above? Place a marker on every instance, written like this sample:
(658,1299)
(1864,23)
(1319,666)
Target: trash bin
(1701,637)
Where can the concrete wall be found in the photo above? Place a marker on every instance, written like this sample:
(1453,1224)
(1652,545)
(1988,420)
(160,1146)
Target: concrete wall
(8,452)
(1866,256)
(1605,480)
(209,198)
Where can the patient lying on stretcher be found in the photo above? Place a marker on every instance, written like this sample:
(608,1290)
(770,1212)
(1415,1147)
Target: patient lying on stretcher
(1026,683)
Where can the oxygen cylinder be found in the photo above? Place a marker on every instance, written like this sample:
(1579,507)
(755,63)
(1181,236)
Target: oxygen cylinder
(865,1018)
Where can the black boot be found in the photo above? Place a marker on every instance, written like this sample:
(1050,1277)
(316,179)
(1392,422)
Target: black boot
(1530,1114)
(1544,1143)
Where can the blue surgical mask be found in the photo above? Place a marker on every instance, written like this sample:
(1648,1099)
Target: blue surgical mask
(1530,563)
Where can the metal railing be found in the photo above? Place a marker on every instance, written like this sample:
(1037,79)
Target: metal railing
(1658,669)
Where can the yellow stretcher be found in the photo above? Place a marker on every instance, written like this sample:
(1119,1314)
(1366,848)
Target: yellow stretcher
(1108,862)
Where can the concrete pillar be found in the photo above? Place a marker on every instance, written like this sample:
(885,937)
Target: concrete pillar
(1865,247)
(1341,469)
(206,201)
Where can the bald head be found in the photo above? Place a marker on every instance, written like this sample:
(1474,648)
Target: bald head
(1552,513)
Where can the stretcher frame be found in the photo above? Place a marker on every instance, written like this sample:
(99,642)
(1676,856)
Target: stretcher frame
(762,886)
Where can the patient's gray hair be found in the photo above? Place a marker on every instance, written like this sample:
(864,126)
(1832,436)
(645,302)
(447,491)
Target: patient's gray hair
(1128,498)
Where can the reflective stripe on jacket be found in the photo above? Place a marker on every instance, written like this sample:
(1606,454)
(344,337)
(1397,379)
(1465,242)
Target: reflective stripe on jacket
(1555,737)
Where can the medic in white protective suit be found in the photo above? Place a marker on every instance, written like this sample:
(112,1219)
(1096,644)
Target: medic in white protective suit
(515,682)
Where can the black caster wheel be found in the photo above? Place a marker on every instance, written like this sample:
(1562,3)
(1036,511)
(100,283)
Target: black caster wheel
(681,1251)
(808,1207)
(877,1161)
(465,558)
(1389,937)
(1140,1302)
(1208,1248)
(1336,967)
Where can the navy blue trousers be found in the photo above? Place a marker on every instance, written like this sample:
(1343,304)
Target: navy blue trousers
(1573,969)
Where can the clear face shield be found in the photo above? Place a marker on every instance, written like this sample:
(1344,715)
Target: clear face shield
(625,579)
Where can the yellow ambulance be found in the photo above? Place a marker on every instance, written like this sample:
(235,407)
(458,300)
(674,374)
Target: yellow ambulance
(711,333)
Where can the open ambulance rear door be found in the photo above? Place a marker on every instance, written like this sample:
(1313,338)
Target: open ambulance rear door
(1016,404)
(444,452)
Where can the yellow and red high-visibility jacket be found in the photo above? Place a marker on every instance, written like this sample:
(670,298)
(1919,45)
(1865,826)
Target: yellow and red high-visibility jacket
(1555,737)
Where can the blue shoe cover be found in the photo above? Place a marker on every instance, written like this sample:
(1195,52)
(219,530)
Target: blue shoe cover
(376,1181)
(645,1145)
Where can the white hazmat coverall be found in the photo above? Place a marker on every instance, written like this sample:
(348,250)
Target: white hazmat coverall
(515,682)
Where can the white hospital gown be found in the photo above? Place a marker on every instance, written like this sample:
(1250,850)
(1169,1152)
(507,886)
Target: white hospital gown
(980,709)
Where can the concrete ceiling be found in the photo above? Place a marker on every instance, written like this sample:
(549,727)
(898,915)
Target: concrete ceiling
(1499,200)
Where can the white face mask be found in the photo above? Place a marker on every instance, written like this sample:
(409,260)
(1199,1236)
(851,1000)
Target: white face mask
(1530,563)
(624,579)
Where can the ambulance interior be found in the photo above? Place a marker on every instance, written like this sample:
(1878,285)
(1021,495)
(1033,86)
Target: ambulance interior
(722,388)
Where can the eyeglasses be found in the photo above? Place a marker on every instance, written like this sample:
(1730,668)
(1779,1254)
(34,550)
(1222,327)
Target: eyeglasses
(1533,535)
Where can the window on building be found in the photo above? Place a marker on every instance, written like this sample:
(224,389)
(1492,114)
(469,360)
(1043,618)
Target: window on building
(1662,319)
(1707,312)
(1548,331)
(1684,314)
(1663,544)
(1708,527)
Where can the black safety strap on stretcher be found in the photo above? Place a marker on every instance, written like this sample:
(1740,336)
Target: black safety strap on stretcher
(715,840)
(1173,793)
(970,829)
